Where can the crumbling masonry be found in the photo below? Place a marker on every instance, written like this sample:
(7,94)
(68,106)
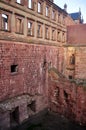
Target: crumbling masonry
(42,62)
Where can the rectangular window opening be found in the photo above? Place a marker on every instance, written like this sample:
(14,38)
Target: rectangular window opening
(18,1)
(53,15)
(14,68)
(19,25)
(30,4)
(4,22)
(30,28)
(53,35)
(70,77)
(47,11)
(39,31)
(39,7)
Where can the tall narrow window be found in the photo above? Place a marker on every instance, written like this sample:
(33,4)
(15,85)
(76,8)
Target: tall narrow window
(53,34)
(30,28)
(47,33)
(19,25)
(64,20)
(47,11)
(72,59)
(4,22)
(39,30)
(59,18)
(59,36)
(30,4)
(63,37)
(39,7)
(53,15)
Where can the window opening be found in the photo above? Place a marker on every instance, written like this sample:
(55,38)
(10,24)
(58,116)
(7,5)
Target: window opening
(59,18)
(14,68)
(39,7)
(59,36)
(14,116)
(19,25)
(53,34)
(39,30)
(47,11)
(30,32)
(70,77)
(18,1)
(53,14)
(31,108)
(72,59)
(4,22)
(46,33)
(30,4)
(65,96)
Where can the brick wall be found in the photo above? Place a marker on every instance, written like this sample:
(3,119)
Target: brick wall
(30,81)
(31,75)
(66,98)
(76,34)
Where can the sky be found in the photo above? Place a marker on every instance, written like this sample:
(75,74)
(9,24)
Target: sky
(73,6)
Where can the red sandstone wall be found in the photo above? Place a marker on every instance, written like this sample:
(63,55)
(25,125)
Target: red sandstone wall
(76,34)
(69,21)
(80,68)
(31,77)
(67,98)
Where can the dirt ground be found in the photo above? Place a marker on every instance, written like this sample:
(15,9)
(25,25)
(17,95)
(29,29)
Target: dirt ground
(52,121)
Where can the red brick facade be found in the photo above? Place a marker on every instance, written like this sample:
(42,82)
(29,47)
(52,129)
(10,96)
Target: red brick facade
(31,43)
(67,98)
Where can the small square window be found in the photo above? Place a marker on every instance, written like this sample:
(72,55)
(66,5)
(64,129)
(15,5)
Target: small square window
(70,77)
(14,68)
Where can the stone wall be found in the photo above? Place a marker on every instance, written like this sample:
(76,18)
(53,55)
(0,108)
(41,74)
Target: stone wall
(24,79)
(67,98)
(78,69)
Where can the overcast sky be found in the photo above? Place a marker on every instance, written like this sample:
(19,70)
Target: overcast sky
(73,6)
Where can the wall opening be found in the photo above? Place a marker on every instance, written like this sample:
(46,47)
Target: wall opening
(14,116)
(65,96)
(4,22)
(14,68)
(70,77)
(72,59)
(31,108)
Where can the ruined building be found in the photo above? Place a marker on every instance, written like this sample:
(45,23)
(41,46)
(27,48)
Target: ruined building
(42,62)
